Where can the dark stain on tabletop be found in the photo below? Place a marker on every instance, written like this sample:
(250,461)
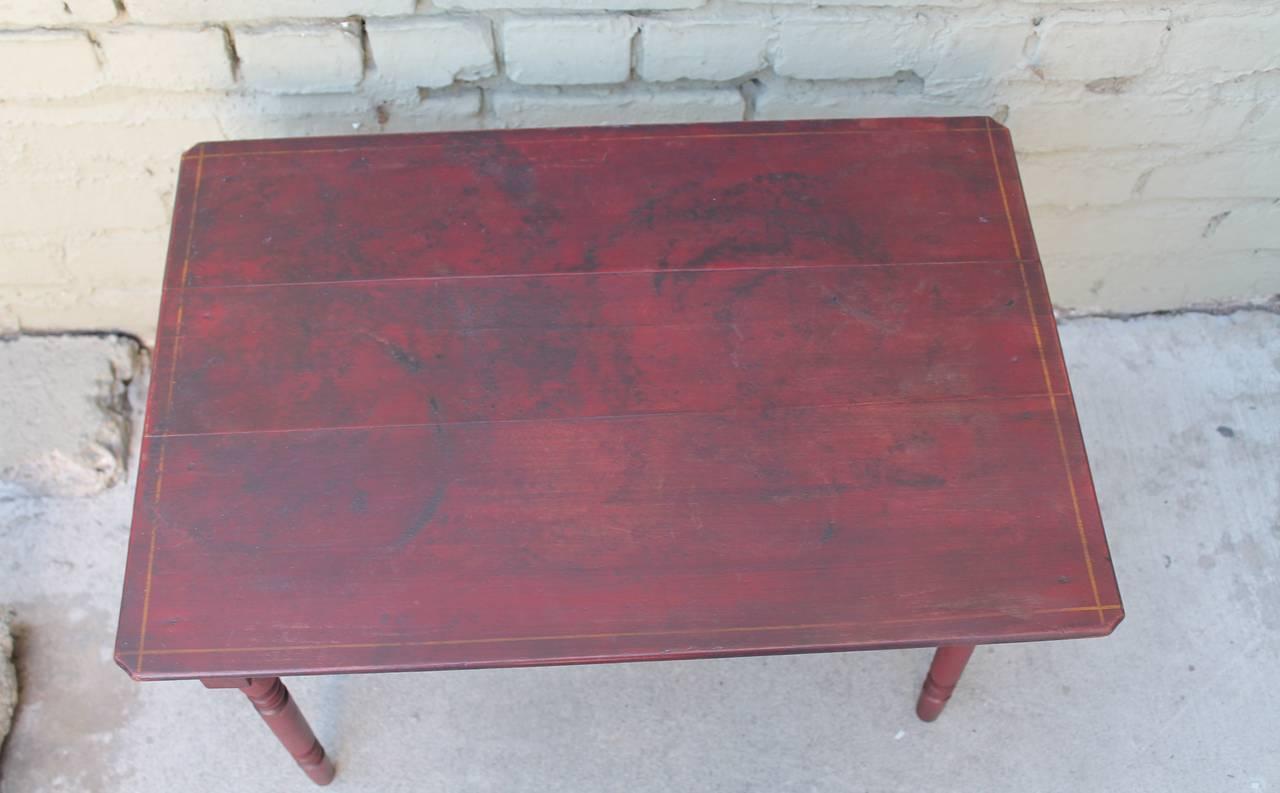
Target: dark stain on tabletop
(828,532)
(405,359)
(359,502)
(431,506)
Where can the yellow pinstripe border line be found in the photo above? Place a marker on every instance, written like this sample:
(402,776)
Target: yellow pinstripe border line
(593,139)
(142,652)
(173,366)
(1044,366)
(622,635)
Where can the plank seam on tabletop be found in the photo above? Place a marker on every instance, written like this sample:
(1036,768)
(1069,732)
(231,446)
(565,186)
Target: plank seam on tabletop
(603,417)
(566,274)
(1044,366)
(424,144)
(173,366)
(626,634)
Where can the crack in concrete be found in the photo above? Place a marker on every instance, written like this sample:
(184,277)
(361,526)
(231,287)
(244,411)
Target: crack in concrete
(1270,306)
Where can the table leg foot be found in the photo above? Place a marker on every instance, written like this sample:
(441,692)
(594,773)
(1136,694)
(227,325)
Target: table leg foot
(944,673)
(273,703)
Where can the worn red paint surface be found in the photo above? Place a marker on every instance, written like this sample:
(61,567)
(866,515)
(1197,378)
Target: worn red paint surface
(562,396)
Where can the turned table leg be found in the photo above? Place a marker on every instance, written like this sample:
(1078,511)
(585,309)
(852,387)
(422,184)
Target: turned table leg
(944,673)
(280,712)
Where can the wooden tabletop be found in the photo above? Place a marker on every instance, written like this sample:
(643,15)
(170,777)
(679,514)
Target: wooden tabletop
(586,395)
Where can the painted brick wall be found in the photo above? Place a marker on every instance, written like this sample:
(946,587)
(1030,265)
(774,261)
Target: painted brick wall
(1149,134)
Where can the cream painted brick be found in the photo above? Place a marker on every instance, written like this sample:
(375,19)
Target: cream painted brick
(1227,46)
(550,108)
(879,3)
(192,59)
(431,53)
(120,259)
(1168,280)
(1120,121)
(1233,174)
(46,64)
(45,206)
(1096,50)
(132,310)
(568,50)
(1265,125)
(264,115)
(1262,91)
(843,49)
(976,53)
(301,59)
(304,125)
(1141,228)
(61,309)
(780,100)
(187,11)
(55,12)
(32,261)
(1251,227)
(457,109)
(1075,179)
(103,144)
(695,50)
(569,5)
(294,115)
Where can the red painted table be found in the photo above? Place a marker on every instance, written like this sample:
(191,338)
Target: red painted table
(579,396)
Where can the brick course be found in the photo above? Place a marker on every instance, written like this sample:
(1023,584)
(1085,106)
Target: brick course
(301,59)
(1093,51)
(568,50)
(697,50)
(193,59)
(52,64)
(431,53)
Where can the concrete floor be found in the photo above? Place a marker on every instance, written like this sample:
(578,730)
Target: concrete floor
(1182,421)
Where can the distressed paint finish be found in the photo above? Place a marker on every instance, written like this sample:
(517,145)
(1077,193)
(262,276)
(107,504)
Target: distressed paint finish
(574,396)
